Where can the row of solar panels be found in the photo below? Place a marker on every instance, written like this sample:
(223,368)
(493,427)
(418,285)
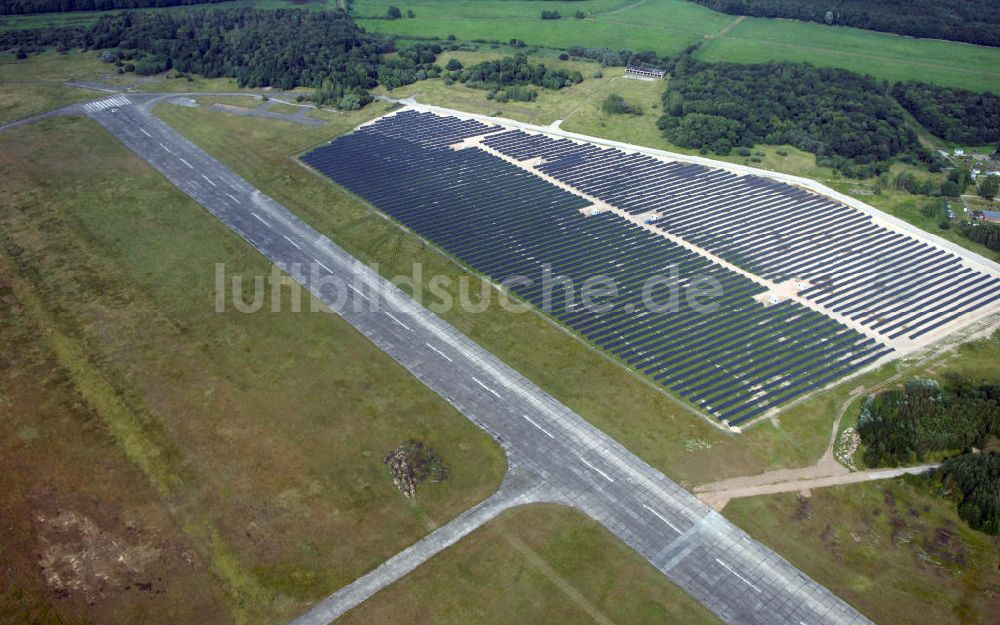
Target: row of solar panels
(891,282)
(736,360)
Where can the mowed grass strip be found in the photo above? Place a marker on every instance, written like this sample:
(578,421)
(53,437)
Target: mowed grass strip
(883,55)
(263,434)
(896,550)
(648,421)
(536,565)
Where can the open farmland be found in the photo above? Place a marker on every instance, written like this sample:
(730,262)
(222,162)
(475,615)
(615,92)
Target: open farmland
(668,26)
(560,210)
(887,57)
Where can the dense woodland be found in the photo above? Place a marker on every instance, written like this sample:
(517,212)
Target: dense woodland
(23,7)
(953,114)
(282,49)
(972,21)
(974,481)
(846,119)
(922,420)
(910,424)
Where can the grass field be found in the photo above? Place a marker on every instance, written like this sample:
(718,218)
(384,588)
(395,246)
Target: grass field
(243,453)
(893,549)
(35,85)
(85,18)
(665,26)
(668,26)
(534,566)
(885,56)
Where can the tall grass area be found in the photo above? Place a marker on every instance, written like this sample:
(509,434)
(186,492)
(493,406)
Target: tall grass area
(559,565)
(895,550)
(35,85)
(262,434)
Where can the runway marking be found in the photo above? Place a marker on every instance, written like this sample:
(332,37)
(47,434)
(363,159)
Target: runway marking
(324,266)
(393,317)
(143,131)
(186,163)
(237,201)
(476,380)
(209,180)
(532,422)
(254,214)
(439,352)
(94,107)
(662,518)
(166,148)
(743,579)
(603,474)
(360,294)
(292,242)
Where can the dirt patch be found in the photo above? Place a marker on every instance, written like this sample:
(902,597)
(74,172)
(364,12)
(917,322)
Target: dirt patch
(76,556)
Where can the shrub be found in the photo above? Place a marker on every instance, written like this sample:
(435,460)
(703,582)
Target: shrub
(563,57)
(614,104)
(393,13)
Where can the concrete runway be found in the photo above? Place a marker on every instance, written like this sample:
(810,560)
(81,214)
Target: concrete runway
(554,454)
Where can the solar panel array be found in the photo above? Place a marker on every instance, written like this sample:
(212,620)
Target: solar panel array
(735,362)
(893,283)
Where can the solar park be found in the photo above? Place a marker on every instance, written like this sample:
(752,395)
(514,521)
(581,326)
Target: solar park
(509,203)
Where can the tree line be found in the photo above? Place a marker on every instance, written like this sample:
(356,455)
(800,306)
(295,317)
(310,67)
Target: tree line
(284,49)
(971,21)
(952,114)
(24,7)
(972,480)
(845,118)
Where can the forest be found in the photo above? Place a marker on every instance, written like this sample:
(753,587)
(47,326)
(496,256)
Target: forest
(282,49)
(846,119)
(953,114)
(973,479)
(971,21)
(910,424)
(23,7)
(924,419)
